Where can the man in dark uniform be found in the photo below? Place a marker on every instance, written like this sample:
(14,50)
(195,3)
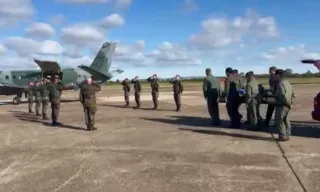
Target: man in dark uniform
(55,92)
(137,90)
(177,91)
(88,99)
(211,92)
(243,81)
(232,84)
(126,89)
(37,98)
(272,84)
(154,83)
(30,94)
(44,91)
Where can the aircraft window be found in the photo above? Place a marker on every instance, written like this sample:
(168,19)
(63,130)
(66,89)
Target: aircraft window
(79,75)
(20,77)
(7,77)
(14,77)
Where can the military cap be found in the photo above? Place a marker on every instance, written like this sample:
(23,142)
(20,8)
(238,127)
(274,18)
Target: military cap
(280,72)
(208,70)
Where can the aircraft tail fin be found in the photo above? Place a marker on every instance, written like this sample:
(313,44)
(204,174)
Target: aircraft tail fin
(102,61)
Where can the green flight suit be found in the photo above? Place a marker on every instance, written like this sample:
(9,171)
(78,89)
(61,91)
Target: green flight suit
(30,94)
(126,89)
(37,99)
(154,83)
(137,90)
(233,100)
(271,107)
(88,99)
(44,92)
(55,91)
(283,100)
(211,91)
(177,91)
(253,104)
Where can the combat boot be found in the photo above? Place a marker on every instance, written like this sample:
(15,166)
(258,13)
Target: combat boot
(283,138)
(38,114)
(30,111)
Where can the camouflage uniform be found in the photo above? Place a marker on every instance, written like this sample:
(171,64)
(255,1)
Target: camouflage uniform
(137,91)
(271,107)
(88,100)
(44,91)
(30,94)
(37,98)
(232,84)
(55,91)
(126,89)
(211,91)
(253,103)
(154,91)
(177,91)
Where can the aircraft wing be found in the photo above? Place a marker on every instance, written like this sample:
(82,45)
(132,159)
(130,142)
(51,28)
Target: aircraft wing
(47,66)
(12,85)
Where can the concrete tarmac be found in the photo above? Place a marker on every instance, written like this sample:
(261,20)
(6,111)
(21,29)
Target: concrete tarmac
(158,151)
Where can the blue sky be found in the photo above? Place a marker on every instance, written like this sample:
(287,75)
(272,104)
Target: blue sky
(174,37)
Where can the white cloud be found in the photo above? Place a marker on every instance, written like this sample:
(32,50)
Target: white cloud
(3,50)
(82,35)
(113,20)
(84,1)
(25,46)
(12,11)
(56,20)
(190,5)
(220,32)
(122,3)
(43,30)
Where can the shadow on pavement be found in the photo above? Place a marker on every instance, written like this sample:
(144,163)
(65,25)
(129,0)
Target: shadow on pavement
(134,107)
(22,102)
(299,129)
(30,117)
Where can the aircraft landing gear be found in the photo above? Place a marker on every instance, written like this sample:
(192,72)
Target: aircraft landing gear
(16,100)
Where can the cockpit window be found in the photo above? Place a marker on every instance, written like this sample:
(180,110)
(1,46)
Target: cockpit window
(7,77)
(14,77)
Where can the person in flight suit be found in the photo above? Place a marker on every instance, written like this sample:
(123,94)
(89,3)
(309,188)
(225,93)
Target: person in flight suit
(55,92)
(177,91)
(272,84)
(137,90)
(252,101)
(44,92)
(30,94)
(154,83)
(37,98)
(232,84)
(211,92)
(88,99)
(126,89)
(283,101)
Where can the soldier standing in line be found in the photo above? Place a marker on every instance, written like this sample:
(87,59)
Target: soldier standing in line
(88,99)
(283,101)
(126,89)
(211,92)
(232,84)
(177,91)
(55,92)
(243,82)
(154,82)
(272,84)
(30,91)
(252,101)
(44,91)
(137,90)
(37,98)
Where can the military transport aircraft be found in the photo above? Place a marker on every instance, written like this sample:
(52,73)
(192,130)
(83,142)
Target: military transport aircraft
(14,82)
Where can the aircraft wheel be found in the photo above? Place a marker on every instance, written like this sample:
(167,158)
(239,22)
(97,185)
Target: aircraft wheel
(16,101)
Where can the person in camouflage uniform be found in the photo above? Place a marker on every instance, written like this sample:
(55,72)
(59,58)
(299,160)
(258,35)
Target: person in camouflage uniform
(44,91)
(126,89)
(154,83)
(30,94)
(137,90)
(232,84)
(211,92)
(177,91)
(253,102)
(37,98)
(283,101)
(243,80)
(272,84)
(55,91)
(88,99)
